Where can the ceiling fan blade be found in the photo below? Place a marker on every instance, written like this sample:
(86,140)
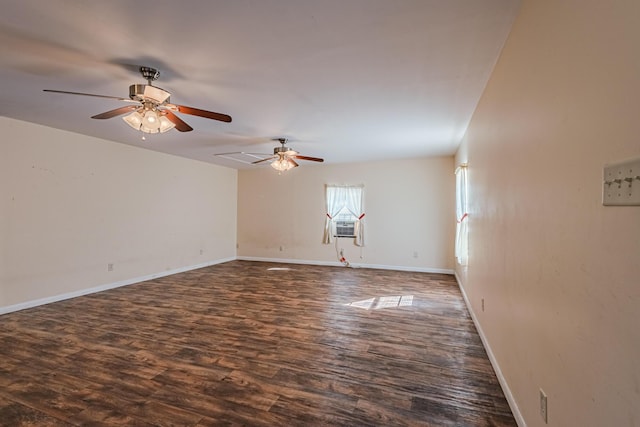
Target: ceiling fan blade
(290,160)
(180,124)
(89,94)
(263,160)
(116,112)
(313,159)
(203,113)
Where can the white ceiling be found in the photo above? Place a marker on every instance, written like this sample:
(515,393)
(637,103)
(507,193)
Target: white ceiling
(346,80)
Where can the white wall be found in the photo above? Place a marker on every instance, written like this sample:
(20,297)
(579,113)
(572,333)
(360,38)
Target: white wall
(72,204)
(409,207)
(560,273)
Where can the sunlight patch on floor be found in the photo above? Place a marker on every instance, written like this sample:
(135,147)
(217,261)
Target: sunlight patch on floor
(377,303)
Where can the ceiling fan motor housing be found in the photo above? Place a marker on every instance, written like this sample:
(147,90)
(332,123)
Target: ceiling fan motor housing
(284,150)
(146,93)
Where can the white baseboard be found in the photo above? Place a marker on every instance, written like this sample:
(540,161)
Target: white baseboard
(354,265)
(501,379)
(68,295)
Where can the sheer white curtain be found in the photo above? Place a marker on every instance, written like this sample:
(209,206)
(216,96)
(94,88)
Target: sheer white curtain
(334,205)
(353,203)
(339,197)
(462,216)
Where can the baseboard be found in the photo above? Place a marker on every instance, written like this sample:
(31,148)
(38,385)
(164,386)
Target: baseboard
(354,265)
(68,295)
(501,379)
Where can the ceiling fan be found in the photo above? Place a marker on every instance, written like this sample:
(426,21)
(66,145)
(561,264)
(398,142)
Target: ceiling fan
(284,158)
(152,112)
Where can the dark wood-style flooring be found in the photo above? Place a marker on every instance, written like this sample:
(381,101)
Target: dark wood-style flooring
(240,344)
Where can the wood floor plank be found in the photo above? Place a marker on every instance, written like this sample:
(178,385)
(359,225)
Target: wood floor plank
(17,415)
(238,344)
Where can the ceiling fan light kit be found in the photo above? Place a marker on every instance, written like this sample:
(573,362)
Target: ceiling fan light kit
(148,121)
(282,165)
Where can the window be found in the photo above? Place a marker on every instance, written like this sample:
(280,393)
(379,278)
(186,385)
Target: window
(462,216)
(344,212)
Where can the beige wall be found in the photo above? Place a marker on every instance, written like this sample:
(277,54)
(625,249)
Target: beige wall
(560,273)
(409,207)
(72,204)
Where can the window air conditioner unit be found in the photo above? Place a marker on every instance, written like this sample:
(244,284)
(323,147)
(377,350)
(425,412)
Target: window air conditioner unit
(345,229)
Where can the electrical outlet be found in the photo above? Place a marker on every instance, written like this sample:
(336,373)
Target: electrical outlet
(483,304)
(281,248)
(543,406)
(110,267)
(201,251)
(415,254)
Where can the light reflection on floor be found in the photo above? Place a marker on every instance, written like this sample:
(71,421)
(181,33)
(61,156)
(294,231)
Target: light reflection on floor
(377,303)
